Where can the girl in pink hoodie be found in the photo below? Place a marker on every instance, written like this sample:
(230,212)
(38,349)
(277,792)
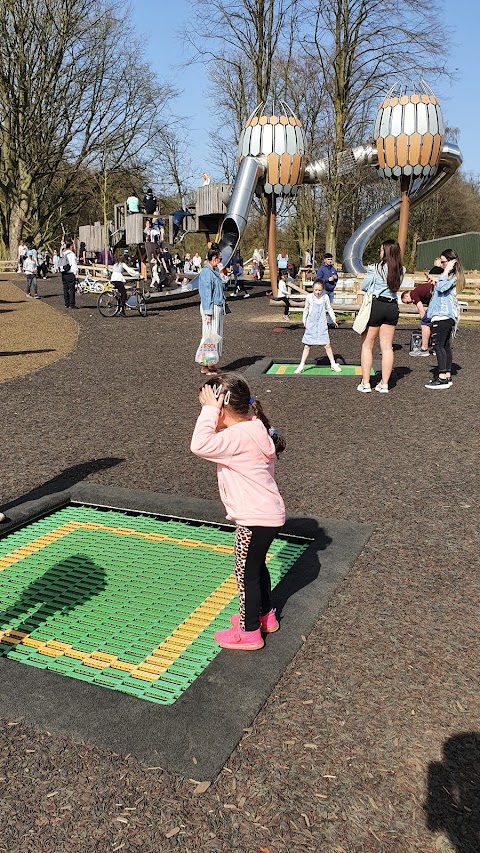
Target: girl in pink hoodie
(233,431)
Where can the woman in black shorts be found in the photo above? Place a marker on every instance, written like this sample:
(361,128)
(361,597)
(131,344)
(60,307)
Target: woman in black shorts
(384,280)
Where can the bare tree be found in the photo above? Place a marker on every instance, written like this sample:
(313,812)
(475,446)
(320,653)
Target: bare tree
(240,45)
(362,47)
(173,162)
(68,99)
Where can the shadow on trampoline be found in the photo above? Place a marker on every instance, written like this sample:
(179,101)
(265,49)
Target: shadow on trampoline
(64,586)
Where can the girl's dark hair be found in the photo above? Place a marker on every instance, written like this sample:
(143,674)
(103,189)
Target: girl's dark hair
(392,257)
(451,255)
(213,253)
(242,399)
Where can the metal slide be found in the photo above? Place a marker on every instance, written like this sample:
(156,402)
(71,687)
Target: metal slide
(250,172)
(253,169)
(450,160)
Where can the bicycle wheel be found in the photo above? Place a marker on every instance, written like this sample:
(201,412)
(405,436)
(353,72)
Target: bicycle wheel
(108,304)
(141,305)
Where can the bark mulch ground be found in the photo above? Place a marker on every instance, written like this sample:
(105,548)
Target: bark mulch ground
(32,334)
(371,740)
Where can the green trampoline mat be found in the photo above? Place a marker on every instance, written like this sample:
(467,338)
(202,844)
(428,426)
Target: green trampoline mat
(125,601)
(316,370)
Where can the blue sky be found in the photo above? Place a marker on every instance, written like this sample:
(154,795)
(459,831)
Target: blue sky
(161,22)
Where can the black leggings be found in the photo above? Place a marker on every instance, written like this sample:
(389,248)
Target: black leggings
(441,338)
(252,576)
(120,286)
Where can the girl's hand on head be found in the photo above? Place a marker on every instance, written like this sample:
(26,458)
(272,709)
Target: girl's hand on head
(208,398)
(450,266)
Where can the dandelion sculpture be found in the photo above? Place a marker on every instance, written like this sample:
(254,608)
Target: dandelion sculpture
(409,135)
(272,159)
(408,147)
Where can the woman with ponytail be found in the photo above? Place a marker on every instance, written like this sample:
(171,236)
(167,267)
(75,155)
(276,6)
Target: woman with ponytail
(444,312)
(383,280)
(233,430)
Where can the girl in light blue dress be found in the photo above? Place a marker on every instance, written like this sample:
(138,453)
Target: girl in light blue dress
(317,305)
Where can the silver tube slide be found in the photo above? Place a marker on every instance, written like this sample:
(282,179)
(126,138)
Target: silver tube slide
(347,161)
(450,161)
(250,171)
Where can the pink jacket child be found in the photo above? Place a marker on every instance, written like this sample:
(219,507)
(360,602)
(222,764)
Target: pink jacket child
(233,431)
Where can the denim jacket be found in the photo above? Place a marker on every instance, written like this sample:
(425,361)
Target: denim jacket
(444,302)
(376,281)
(210,288)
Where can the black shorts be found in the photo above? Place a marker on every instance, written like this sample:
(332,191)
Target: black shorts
(384,312)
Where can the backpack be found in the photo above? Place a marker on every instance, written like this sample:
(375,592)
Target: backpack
(63,264)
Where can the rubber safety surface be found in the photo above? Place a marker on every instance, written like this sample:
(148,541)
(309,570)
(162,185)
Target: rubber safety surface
(123,601)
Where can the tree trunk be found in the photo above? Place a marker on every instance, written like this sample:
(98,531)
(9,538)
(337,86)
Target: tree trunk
(413,251)
(18,218)
(331,227)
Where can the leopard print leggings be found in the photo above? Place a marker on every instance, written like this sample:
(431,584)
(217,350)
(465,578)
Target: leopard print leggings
(252,575)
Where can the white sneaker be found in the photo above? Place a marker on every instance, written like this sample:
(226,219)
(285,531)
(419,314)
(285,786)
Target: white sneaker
(364,387)
(299,368)
(336,367)
(2,517)
(246,296)
(381,388)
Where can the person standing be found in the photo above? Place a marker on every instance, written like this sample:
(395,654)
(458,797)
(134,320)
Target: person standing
(212,303)
(69,270)
(22,254)
(282,262)
(317,306)
(444,312)
(284,294)
(328,275)
(30,270)
(196,262)
(149,202)
(384,280)
(238,276)
(233,431)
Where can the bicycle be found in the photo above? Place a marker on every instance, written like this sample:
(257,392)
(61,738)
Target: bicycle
(92,285)
(109,303)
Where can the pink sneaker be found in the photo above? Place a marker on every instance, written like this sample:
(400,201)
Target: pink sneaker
(268,623)
(234,638)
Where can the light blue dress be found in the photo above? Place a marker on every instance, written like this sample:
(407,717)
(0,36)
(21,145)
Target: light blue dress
(315,320)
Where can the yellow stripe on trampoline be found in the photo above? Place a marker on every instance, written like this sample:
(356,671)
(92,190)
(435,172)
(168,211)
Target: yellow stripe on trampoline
(159,659)
(282,369)
(47,539)
(169,650)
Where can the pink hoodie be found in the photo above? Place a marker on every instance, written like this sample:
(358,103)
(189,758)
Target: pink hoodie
(245,457)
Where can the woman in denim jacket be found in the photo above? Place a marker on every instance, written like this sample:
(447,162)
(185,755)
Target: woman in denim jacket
(444,312)
(383,280)
(212,301)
